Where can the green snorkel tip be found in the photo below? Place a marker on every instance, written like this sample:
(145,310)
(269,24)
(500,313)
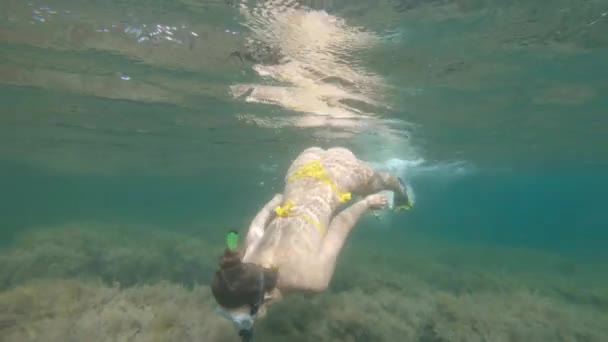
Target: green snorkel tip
(232,240)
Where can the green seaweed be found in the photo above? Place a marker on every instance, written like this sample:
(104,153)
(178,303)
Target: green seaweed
(97,283)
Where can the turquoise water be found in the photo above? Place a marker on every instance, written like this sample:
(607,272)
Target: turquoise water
(561,211)
(134,134)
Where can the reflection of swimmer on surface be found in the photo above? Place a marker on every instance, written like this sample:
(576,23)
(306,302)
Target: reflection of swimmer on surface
(306,63)
(292,244)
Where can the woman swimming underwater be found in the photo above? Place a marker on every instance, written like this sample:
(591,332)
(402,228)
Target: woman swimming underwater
(292,244)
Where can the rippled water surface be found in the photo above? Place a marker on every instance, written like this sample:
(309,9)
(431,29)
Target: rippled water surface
(491,83)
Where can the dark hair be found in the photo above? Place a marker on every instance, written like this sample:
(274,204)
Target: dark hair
(237,283)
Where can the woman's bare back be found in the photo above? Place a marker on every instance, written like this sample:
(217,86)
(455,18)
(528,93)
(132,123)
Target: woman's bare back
(317,183)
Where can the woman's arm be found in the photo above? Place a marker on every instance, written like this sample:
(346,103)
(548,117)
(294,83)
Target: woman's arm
(261,220)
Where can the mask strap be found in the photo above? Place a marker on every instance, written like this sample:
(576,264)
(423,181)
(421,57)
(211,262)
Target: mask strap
(261,284)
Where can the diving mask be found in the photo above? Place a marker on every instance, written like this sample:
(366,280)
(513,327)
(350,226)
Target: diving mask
(241,320)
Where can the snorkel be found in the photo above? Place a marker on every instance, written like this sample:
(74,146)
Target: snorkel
(243,321)
(232,240)
(246,333)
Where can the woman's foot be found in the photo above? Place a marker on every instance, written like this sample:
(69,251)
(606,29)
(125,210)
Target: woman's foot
(404,197)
